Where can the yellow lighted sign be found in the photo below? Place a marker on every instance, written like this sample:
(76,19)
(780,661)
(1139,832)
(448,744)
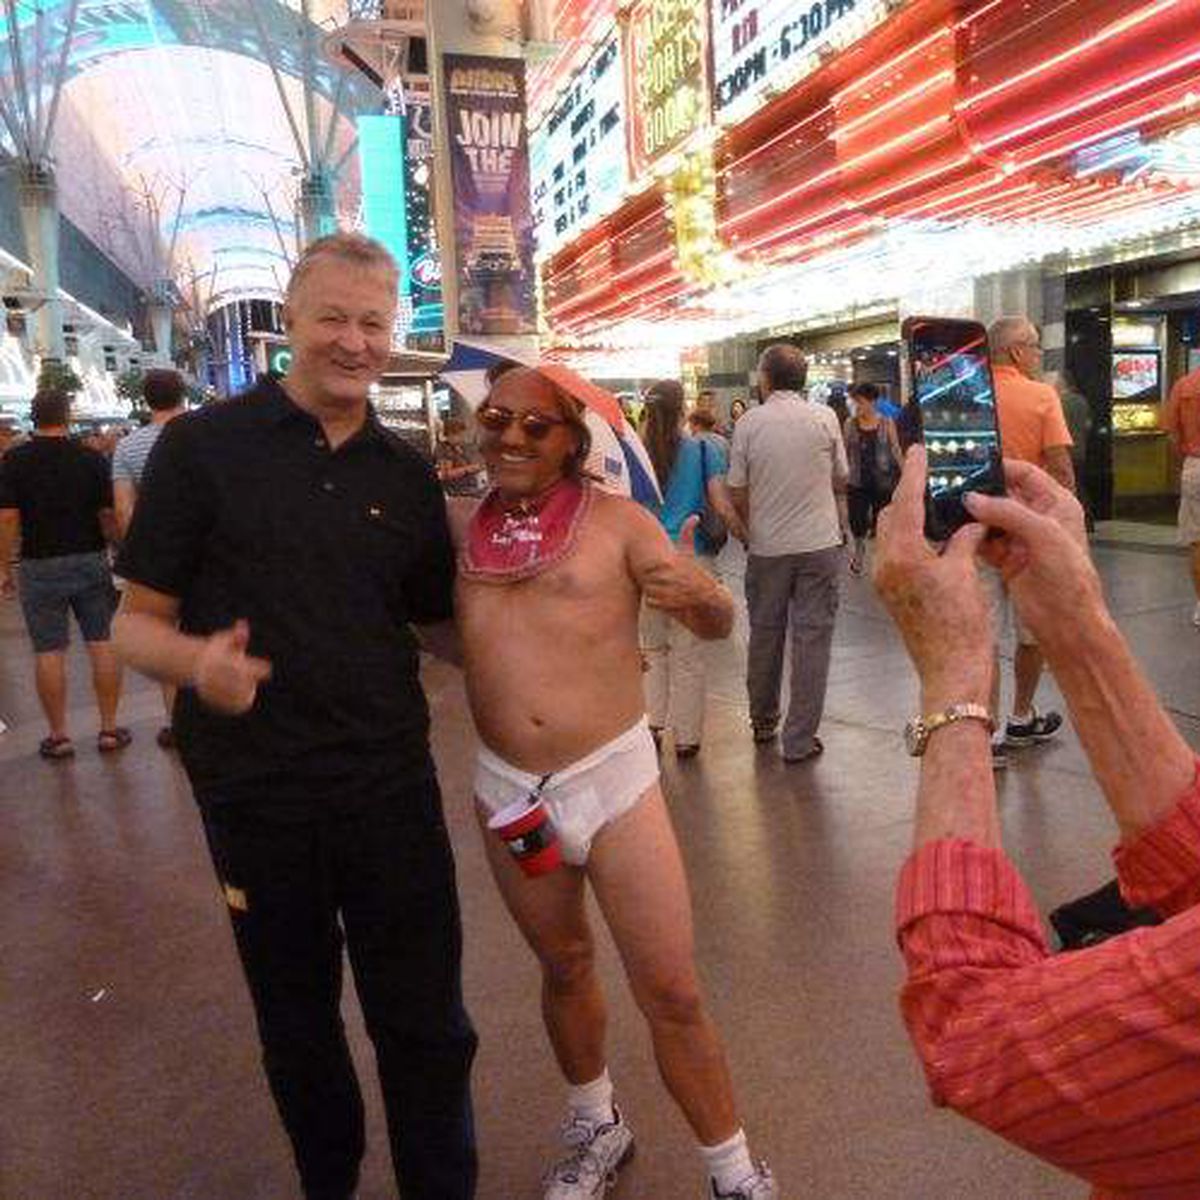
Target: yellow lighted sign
(667,55)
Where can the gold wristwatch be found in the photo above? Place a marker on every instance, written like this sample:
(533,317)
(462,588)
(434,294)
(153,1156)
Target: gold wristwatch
(917,731)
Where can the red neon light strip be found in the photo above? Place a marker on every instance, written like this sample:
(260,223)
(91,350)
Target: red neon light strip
(1095,98)
(1108,131)
(892,63)
(912,181)
(1116,28)
(925,85)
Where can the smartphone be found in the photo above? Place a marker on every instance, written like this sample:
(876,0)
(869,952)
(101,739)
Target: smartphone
(951,400)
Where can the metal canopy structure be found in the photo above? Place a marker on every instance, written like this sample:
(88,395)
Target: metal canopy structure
(187,137)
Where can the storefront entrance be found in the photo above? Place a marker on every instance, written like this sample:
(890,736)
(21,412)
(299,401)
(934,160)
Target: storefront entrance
(1136,336)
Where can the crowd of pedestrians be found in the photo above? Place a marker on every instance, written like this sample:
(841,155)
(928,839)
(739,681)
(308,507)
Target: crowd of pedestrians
(283,560)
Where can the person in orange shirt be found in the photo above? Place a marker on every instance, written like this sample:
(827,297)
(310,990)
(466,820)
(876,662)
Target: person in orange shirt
(1181,420)
(1034,430)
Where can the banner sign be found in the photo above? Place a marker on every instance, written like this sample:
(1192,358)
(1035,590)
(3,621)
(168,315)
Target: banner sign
(424,330)
(761,47)
(578,155)
(666,63)
(493,220)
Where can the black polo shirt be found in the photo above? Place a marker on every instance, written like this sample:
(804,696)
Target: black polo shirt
(245,512)
(60,489)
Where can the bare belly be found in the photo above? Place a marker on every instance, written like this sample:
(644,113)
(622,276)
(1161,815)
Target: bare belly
(543,708)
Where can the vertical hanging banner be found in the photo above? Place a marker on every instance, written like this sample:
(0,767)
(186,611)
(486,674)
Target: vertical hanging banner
(493,218)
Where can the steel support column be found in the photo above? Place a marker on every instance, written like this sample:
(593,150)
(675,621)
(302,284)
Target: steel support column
(39,216)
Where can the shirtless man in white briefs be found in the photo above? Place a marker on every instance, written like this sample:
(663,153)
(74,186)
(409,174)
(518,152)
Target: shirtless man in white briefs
(551,576)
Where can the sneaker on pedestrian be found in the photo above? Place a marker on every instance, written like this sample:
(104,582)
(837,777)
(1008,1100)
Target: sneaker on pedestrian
(760,1186)
(764,733)
(596,1154)
(1040,727)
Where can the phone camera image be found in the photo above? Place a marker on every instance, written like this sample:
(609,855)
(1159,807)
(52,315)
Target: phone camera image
(951,384)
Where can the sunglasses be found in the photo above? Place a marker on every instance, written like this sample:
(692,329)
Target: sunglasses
(534,425)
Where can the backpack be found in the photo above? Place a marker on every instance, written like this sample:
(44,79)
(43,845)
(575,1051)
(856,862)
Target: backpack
(712,532)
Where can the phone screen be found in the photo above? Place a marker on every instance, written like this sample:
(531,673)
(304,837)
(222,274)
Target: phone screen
(950,384)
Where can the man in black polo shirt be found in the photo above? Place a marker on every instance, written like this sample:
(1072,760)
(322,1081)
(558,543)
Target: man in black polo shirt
(281,546)
(56,497)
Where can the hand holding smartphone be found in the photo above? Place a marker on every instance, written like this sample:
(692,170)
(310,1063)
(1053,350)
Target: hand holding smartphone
(951,399)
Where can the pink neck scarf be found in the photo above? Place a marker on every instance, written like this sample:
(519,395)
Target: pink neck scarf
(511,541)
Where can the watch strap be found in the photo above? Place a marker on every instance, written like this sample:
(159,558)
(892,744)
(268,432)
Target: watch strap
(966,711)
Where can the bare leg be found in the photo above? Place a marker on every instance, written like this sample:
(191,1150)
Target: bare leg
(106,680)
(50,675)
(1027,670)
(637,873)
(549,911)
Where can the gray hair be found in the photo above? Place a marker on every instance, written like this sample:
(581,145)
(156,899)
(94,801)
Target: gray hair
(1006,332)
(353,249)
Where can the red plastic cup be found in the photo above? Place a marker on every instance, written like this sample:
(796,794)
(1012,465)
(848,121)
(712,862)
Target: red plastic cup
(529,835)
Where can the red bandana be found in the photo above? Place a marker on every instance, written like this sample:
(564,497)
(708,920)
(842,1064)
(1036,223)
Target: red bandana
(516,541)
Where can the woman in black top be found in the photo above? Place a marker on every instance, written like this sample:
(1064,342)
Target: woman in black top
(874,456)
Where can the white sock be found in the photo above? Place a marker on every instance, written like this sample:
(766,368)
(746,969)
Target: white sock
(729,1163)
(592,1101)
(1022,718)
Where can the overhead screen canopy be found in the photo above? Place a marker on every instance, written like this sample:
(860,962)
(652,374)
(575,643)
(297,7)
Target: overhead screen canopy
(171,117)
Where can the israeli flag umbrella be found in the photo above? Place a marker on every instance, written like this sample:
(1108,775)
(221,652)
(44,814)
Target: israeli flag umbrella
(618,460)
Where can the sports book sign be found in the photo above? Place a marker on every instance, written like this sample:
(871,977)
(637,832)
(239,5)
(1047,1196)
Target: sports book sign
(666,64)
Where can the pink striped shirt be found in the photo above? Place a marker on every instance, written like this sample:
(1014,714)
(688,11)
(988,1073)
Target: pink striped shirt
(1090,1060)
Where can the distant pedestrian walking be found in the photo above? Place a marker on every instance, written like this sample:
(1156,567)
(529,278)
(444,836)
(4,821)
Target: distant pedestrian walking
(787,469)
(56,499)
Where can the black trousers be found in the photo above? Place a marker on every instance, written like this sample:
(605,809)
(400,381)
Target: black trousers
(379,880)
(863,505)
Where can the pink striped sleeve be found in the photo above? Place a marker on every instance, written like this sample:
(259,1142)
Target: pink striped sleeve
(1161,869)
(1090,1060)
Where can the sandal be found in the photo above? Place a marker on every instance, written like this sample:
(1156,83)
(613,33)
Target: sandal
(108,740)
(56,747)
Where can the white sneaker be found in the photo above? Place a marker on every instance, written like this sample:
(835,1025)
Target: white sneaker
(597,1153)
(1196,614)
(760,1186)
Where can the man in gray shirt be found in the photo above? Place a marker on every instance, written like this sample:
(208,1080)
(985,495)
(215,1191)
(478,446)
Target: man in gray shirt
(787,475)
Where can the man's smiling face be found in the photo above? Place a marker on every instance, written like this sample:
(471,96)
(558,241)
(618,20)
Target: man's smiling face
(519,463)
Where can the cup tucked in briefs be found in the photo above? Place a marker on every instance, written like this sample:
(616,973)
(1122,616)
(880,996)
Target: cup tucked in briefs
(581,798)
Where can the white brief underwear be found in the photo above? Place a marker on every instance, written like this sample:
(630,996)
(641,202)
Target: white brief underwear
(582,798)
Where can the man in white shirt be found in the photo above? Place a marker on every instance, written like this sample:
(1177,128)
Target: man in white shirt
(787,478)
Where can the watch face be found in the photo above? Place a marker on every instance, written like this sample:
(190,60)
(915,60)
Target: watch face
(914,737)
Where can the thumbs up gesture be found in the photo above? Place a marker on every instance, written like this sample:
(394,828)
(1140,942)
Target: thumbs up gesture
(676,583)
(687,537)
(226,676)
